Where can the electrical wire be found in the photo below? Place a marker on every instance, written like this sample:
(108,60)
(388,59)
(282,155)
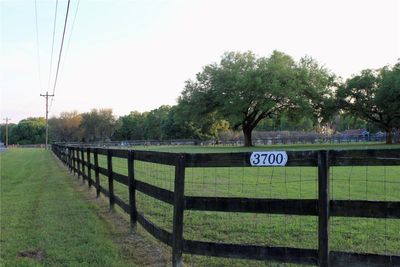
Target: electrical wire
(69,38)
(67,47)
(52,46)
(61,48)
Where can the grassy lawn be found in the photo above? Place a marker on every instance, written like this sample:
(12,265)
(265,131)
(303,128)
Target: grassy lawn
(227,149)
(45,221)
(347,234)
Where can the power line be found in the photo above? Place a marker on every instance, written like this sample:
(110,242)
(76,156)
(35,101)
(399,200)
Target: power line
(70,35)
(37,45)
(67,47)
(61,48)
(52,46)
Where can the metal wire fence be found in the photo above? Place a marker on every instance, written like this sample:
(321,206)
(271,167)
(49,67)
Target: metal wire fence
(368,183)
(250,228)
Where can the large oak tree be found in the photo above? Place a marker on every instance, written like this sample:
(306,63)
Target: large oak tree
(245,89)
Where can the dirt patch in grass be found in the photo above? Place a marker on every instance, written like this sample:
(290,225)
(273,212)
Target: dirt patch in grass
(137,248)
(35,254)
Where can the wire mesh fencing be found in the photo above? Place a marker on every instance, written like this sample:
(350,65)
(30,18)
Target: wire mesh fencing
(262,229)
(365,235)
(161,176)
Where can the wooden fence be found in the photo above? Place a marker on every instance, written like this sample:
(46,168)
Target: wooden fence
(323,207)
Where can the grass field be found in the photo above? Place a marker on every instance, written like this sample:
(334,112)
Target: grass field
(46,222)
(293,147)
(347,234)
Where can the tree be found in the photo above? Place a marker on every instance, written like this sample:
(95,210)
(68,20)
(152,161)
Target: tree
(130,127)
(66,128)
(179,125)
(245,90)
(196,111)
(374,95)
(11,138)
(316,96)
(346,121)
(98,125)
(155,123)
(29,131)
(162,123)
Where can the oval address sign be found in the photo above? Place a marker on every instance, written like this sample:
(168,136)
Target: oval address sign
(268,158)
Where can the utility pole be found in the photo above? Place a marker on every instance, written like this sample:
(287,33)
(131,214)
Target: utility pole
(47,115)
(7,120)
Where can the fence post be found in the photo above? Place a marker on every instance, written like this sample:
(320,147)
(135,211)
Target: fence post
(110,178)
(132,191)
(73,160)
(89,167)
(69,160)
(323,208)
(78,162)
(83,163)
(179,195)
(96,171)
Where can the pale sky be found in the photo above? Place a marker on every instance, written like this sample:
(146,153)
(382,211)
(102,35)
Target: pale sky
(136,55)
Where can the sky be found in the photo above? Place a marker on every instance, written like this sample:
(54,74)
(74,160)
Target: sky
(137,55)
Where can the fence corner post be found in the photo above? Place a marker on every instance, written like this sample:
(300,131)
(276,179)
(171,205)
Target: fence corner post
(179,198)
(323,208)
(132,191)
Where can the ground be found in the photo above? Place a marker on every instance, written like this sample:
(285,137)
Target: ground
(48,218)
(51,218)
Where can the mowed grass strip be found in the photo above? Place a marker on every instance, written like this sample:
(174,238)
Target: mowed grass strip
(44,221)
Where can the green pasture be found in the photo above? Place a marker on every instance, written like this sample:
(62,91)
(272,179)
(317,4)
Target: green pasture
(44,221)
(234,148)
(347,234)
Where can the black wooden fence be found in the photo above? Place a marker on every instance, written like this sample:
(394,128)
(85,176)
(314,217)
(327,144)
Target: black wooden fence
(323,207)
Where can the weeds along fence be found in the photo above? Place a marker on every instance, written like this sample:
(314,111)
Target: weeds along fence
(342,208)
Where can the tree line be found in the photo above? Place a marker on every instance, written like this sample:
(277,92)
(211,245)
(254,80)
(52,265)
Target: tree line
(243,92)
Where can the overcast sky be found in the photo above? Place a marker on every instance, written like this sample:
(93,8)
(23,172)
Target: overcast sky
(136,55)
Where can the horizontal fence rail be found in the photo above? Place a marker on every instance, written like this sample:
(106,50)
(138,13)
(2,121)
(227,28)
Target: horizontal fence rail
(83,161)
